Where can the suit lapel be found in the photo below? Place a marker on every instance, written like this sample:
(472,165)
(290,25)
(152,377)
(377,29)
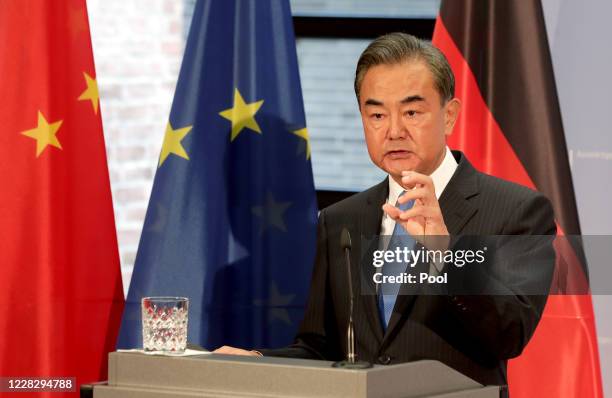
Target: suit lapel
(369,226)
(457,211)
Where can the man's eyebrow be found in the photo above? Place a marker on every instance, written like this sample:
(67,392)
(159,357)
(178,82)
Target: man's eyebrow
(412,98)
(373,102)
(407,100)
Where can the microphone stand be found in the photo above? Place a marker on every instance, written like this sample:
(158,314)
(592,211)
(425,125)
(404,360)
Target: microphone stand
(351,361)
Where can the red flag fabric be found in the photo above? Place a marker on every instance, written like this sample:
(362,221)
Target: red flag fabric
(511,127)
(61,295)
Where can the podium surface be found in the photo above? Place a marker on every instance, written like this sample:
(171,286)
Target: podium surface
(136,375)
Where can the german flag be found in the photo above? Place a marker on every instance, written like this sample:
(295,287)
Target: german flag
(511,127)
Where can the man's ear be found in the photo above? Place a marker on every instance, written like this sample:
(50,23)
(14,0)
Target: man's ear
(451,113)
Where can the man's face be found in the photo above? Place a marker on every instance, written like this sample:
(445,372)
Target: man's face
(404,121)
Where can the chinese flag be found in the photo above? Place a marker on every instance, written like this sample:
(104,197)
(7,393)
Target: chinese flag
(60,288)
(510,127)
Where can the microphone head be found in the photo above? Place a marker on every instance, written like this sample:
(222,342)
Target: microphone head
(345,239)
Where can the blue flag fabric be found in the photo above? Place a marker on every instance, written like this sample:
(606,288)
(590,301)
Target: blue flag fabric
(231,222)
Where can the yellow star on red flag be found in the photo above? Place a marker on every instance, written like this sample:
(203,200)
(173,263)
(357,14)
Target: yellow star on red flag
(91,92)
(44,134)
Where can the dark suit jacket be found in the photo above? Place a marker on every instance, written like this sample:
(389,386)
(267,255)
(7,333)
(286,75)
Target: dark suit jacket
(473,334)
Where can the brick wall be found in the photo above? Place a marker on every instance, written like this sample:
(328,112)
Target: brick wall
(138,47)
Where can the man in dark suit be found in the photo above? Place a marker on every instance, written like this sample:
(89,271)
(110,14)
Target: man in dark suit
(405,91)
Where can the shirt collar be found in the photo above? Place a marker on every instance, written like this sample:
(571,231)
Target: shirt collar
(440,176)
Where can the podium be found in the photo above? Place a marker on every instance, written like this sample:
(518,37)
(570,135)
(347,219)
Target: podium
(136,375)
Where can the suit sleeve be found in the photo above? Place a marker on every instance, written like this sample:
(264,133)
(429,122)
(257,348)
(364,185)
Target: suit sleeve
(506,300)
(316,338)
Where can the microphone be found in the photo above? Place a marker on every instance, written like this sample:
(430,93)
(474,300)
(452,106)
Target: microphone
(351,361)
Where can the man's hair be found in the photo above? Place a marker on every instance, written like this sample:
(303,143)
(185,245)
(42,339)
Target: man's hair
(396,48)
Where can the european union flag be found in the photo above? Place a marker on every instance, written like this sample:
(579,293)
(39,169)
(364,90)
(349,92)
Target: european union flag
(231,222)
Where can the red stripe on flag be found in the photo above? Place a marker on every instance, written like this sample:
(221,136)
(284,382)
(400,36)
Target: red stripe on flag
(562,358)
(477,133)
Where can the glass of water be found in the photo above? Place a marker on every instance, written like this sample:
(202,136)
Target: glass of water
(164,324)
